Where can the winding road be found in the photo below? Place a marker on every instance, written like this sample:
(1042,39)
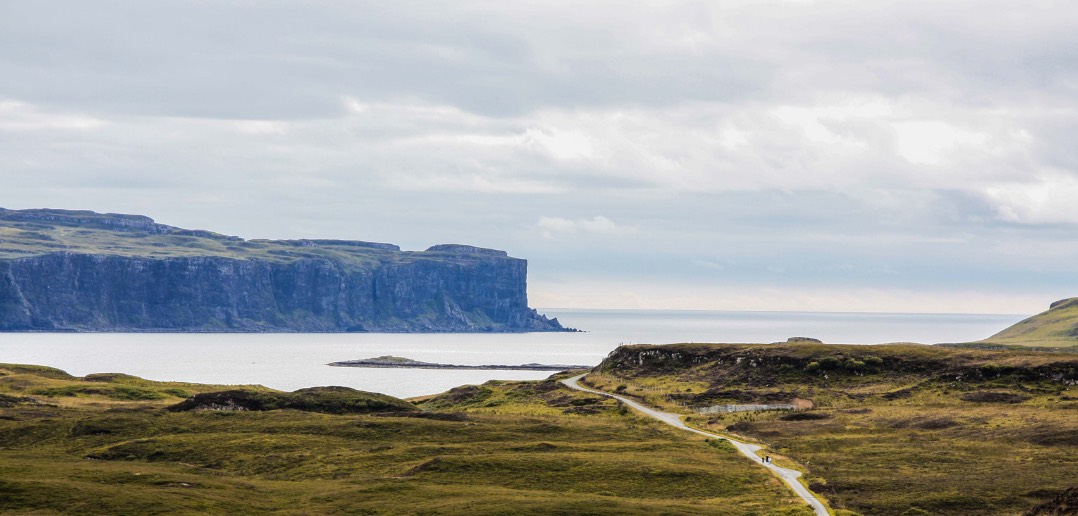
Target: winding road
(789,476)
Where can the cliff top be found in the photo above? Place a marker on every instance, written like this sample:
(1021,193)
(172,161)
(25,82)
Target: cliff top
(26,233)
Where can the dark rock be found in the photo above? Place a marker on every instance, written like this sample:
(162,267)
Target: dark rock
(805,416)
(898,395)
(434,416)
(1047,436)
(10,401)
(939,423)
(170,279)
(743,426)
(1063,303)
(994,397)
(429,465)
(1062,504)
(328,400)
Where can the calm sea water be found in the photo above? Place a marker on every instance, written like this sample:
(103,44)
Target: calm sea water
(290,361)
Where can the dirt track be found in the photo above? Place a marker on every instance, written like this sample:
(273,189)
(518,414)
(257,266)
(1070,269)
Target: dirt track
(789,476)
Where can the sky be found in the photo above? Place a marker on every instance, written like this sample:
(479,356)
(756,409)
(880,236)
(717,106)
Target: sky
(861,156)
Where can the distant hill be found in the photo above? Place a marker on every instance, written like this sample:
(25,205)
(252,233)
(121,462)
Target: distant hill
(63,270)
(1057,327)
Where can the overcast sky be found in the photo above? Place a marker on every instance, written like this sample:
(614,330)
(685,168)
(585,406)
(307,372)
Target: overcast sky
(914,156)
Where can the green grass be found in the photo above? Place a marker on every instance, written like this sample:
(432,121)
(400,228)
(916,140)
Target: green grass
(499,448)
(1056,327)
(98,390)
(21,239)
(924,428)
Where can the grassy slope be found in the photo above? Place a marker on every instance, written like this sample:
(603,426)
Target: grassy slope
(20,239)
(902,434)
(504,448)
(1056,327)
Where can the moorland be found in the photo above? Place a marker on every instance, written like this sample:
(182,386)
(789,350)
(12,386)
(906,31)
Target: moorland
(117,444)
(981,428)
(894,429)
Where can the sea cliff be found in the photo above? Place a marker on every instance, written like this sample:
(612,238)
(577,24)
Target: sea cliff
(83,271)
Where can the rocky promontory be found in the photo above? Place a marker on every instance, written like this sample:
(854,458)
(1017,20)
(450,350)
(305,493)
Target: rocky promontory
(66,270)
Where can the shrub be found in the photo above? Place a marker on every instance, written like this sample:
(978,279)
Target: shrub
(124,392)
(854,364)
(830,362)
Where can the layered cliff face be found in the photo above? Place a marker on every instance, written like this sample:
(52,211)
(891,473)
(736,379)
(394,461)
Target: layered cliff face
(84,271)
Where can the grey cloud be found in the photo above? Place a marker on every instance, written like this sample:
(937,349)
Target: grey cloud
(877,145)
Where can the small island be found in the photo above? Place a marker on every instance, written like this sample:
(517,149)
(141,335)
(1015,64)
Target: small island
(388,361)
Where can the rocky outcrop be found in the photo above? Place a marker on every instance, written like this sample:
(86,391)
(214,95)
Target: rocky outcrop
(103,278)
(391,362)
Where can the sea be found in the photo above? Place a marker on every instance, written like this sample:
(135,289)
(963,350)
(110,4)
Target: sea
(289,361)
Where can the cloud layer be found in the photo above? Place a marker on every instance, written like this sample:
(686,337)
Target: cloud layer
(912,147)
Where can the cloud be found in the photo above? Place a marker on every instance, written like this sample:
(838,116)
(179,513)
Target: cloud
(931,142)
(568,144)
(556,227)
(908,141)
(18,116)
(1050,199)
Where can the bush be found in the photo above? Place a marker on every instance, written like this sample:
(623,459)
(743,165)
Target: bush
(179,393)
(124,392)
(830,363)
(853,364)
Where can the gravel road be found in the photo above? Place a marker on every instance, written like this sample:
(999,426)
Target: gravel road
(789,476)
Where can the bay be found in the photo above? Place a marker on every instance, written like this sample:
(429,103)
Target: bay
(290,361)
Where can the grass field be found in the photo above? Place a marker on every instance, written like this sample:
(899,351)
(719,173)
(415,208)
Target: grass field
(919,430)
(77,232)
(1056,327)
(83,445)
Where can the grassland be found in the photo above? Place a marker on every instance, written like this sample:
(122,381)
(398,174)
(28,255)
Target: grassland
(88,445)
(1057,327)
(139,237)
(896,429)
(27,239)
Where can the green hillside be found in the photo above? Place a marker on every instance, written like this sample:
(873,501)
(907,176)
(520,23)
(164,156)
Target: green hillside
(1057,327)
